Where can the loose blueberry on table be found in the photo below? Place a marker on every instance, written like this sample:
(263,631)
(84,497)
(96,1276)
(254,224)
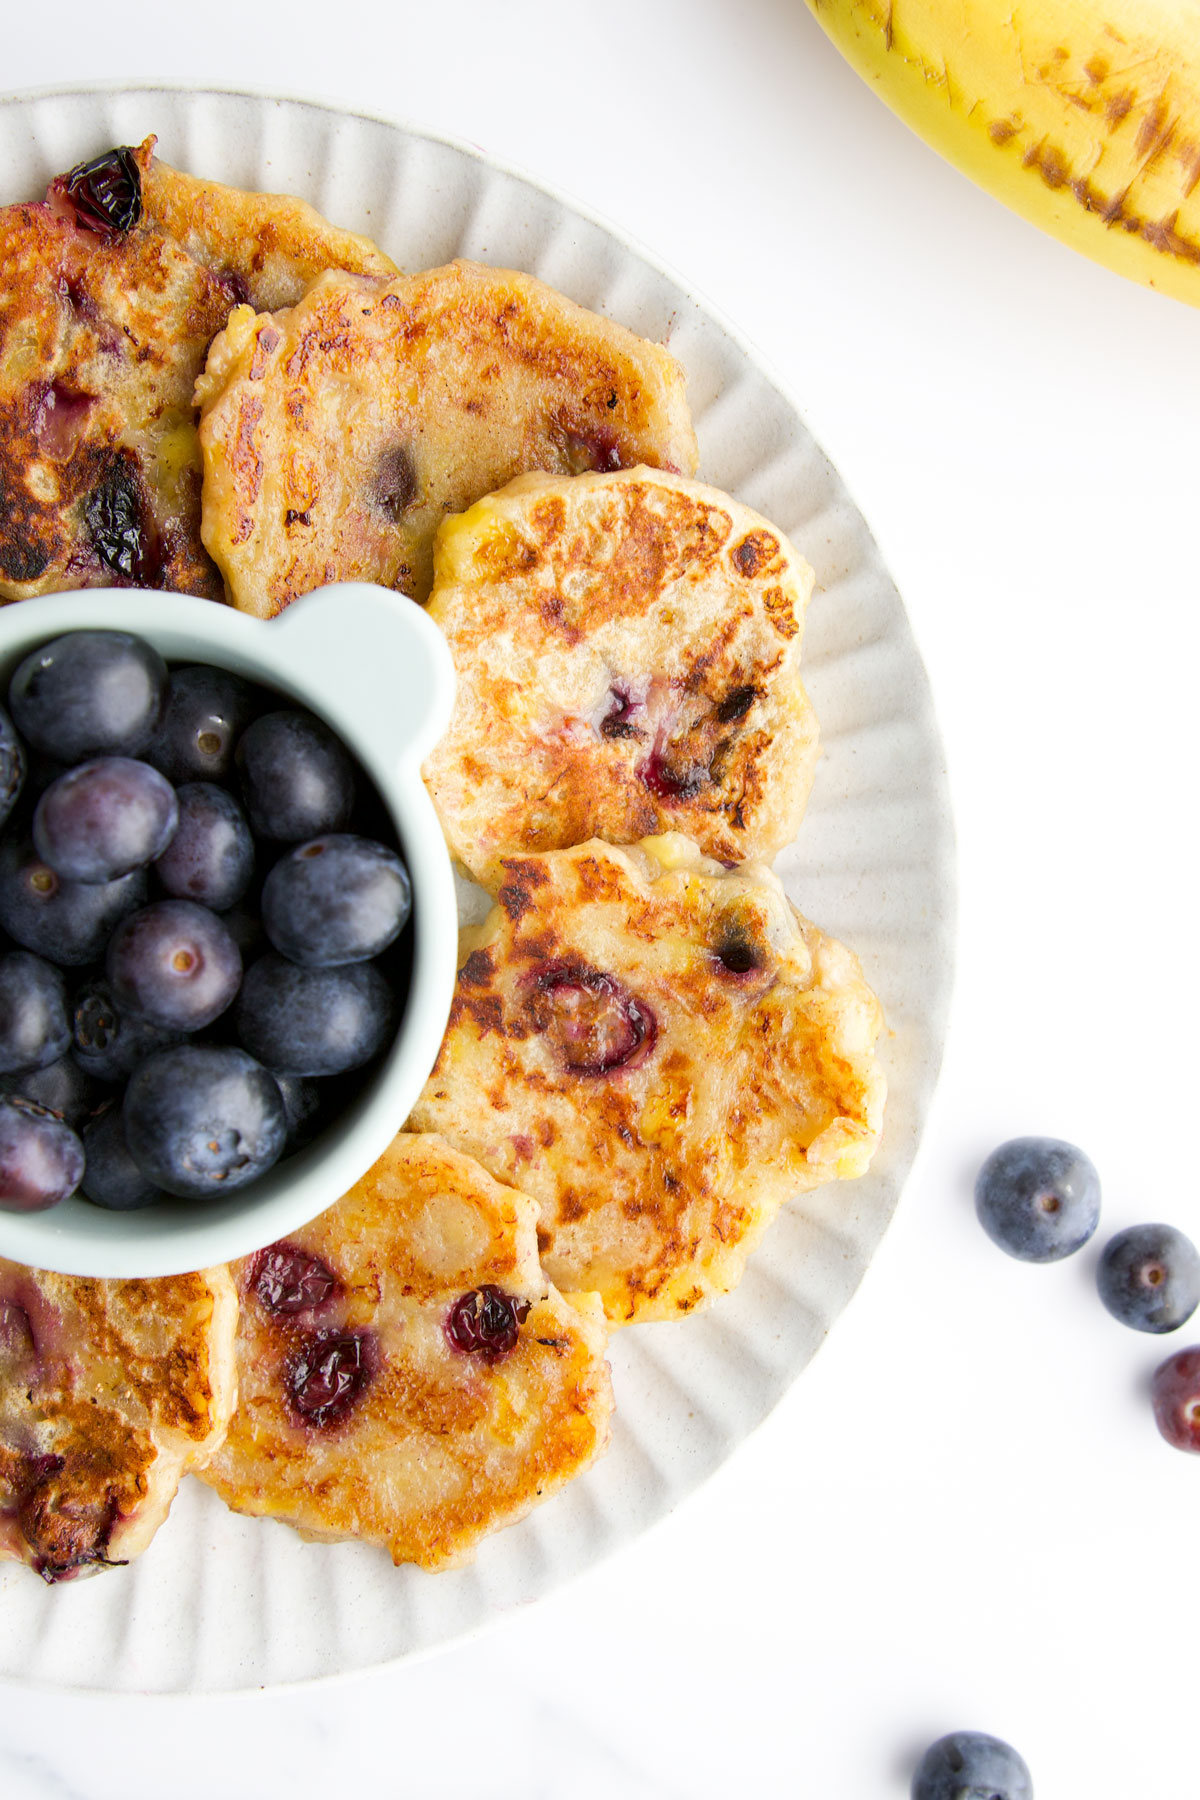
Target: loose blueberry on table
(193,1062)
(971,1765)
(1038,1198)
(1175,1391)
(1149,1277)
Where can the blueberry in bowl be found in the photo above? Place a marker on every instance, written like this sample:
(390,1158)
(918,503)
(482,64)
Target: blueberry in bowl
(164,757)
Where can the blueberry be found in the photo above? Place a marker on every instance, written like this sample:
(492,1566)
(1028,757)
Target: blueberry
(104,818)
(108,1043)
(245,928)
(105,193)
(203,1121)
(68,922)
(970,1765)
(303,1107)
(286,1279)
(1038,1198)
(111,1177)
(120,522)
(591,1019)
(175,964)
(296,777)
(337,899)
(206,712)
(41,1159)
(12,766)
(62,1087)
(1149,1277)
(211,857)
(485,1322)
(89,693)
(313,1021)
(34,1027)
(1175,1392)
(325,1375)
(40,771)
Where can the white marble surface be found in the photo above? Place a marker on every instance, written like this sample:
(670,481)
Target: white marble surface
(962,1515)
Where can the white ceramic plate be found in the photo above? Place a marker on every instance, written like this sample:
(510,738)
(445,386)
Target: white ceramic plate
(221,1602)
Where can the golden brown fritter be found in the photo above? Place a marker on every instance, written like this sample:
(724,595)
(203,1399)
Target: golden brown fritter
(110,1391)
(627,651)
(338,434)
(359,1417)
(660,1052)
(103,332)
(269,247)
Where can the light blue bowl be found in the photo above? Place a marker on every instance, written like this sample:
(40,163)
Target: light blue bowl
(378,671)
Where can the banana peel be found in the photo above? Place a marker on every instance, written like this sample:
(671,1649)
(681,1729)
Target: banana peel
(1081,115)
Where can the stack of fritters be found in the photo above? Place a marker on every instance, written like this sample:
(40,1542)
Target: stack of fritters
(111,291)
(649,1049)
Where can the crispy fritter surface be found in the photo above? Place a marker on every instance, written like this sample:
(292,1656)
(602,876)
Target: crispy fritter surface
(439,1446)
(660,1052)
(272,246)
(627,651)
(102,337)
(110,1391)
(338,434)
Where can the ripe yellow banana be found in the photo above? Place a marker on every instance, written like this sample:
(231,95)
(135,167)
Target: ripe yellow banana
(1083,115)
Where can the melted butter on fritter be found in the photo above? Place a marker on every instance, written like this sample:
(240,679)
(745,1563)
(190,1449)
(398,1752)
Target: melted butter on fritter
(660,1052)
(110,1391)
(339,433)
(627,652)
(365,1412)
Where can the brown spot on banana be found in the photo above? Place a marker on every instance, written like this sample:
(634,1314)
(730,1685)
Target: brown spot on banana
(1088,125)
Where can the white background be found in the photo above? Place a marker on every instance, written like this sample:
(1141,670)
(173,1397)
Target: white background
(962,1515)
